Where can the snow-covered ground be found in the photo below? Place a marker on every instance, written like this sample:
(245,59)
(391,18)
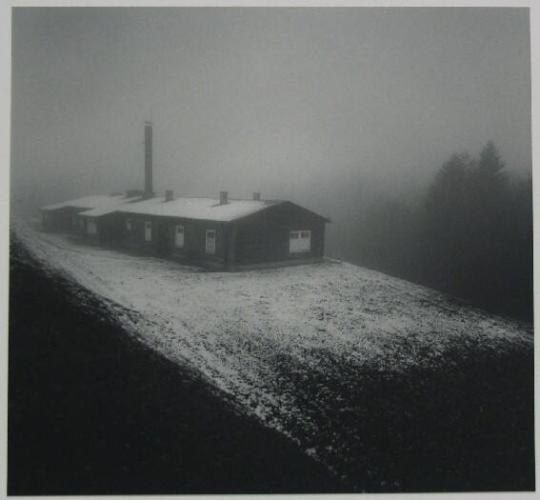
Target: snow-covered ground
(257,335)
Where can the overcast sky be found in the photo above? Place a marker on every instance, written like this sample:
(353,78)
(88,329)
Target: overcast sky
(281,100)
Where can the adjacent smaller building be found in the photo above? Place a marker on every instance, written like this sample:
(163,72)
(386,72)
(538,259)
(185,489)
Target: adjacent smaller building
(65,216)
(219,233)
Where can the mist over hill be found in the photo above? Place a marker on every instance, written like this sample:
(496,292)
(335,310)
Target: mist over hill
(349,112)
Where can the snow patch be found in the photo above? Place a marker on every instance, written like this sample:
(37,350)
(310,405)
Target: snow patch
(259,335)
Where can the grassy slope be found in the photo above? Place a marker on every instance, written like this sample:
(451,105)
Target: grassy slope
(391,385)
(92,411)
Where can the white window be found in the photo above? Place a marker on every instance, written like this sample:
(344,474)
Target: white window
(210,246)
(128,225)
(300,241)
(179,236)
(91,227)
(148,231)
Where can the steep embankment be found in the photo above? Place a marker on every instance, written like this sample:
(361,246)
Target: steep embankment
(93,411)
(392,386)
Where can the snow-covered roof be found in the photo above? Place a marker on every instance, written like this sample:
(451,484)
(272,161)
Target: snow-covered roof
(197,208)
(109,208)
(188,208)
(93,202)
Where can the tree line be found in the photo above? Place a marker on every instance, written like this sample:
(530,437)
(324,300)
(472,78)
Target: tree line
(470,236)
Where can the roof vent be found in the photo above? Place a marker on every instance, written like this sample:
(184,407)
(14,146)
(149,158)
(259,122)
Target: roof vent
(257,196)
(223,197)
(169,195)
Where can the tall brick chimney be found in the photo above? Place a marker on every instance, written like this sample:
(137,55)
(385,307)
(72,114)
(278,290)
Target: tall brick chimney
(148,188)
(223,197)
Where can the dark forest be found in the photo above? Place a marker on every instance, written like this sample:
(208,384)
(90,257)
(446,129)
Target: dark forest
(470,236)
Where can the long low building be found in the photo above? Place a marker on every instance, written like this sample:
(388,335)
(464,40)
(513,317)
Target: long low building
(220,233)
(223,233)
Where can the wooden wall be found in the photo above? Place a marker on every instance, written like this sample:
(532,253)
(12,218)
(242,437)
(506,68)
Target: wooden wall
(60,219)
(163,236)
(260,238)
(265,237)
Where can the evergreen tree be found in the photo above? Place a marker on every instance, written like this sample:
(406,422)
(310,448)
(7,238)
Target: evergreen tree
(490,165)
(445,222)
(472,237)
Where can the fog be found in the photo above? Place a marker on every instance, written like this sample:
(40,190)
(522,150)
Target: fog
(332,108)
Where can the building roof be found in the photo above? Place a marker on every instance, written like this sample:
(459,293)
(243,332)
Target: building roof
(98,201)
(186,208)
(109,208)
(197,208)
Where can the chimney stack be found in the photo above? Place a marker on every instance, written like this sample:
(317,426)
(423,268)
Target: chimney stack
(148,189)
(223,197)
(169,195)
(257,196)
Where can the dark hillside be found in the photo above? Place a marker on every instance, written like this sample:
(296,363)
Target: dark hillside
(464,428)
(92,411)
